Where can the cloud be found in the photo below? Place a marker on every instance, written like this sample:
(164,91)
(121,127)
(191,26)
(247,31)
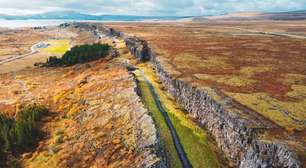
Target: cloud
(150,7)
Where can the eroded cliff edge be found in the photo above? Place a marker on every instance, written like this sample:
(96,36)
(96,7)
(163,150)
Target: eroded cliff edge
(236,131)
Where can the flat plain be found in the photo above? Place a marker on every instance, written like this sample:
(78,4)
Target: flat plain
(264,72)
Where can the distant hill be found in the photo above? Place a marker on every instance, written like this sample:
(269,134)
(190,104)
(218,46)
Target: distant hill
(67,15)
(295,15)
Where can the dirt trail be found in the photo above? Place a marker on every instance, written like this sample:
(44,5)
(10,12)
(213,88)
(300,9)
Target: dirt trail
(13,58)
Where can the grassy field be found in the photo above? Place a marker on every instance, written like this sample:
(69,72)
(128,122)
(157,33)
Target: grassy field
(57,47)
(174,161)
(19,42)
(265,73)
(193,138)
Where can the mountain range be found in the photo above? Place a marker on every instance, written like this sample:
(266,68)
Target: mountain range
(294,15)
(69,15)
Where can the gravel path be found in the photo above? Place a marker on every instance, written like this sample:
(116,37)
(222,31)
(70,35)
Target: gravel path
(13,58)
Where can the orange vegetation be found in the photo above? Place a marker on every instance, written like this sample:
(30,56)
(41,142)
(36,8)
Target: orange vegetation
(89,126)
(236,61)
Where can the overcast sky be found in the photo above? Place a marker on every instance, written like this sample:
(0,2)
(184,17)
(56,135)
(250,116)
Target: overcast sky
(149,7)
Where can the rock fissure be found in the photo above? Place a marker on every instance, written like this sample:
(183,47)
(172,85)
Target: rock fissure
(236,136)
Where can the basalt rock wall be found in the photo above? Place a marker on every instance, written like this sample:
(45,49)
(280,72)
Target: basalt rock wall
(235,136)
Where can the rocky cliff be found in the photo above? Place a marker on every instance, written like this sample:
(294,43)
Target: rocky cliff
(236,135)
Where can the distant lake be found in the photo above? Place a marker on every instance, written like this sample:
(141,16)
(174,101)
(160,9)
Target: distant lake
(48,22)
(33,23)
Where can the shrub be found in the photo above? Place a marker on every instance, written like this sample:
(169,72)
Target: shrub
(80,54)
(21,133)
(6,124)
(54,61)
(25,132)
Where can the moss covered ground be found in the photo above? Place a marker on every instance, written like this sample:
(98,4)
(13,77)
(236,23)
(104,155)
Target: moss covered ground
(264,73)
(193,138)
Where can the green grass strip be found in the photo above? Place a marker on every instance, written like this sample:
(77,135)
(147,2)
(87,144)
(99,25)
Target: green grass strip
(192,137)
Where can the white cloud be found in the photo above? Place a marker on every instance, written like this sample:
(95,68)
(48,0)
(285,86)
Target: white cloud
(16,11)
(149,7)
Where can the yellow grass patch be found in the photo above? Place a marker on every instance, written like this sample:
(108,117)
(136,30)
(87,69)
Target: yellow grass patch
(250,71)
(4,52)
(225,79)
(299,91)
(60,95)
(57,46)
(290,79)
(236,81)
(120,44)
(195,62)
(50,158)
(286,114)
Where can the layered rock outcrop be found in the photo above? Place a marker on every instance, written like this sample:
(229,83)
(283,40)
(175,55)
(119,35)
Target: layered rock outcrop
(139,47)
(236,134)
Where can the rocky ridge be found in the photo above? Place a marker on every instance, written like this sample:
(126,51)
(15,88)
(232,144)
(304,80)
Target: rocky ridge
(89,125)
(237,136)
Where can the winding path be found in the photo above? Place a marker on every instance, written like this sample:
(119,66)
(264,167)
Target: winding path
(13,58)
(178,146)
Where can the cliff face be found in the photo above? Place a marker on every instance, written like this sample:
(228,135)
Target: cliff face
(236,136)
(139,48)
